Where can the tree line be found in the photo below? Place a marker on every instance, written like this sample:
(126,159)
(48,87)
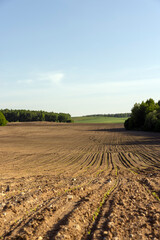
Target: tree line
(118,115)
(30,116)
(144,116)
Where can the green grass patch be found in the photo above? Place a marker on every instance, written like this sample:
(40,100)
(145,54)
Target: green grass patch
(98,119)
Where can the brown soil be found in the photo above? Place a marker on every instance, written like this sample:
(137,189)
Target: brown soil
(78,181)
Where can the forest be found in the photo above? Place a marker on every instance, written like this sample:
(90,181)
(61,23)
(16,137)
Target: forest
(144,116)
(30,116)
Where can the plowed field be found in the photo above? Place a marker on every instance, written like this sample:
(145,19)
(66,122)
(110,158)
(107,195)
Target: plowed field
(78,181)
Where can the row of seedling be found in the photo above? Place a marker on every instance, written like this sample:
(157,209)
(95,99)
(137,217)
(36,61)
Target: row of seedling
(105,197)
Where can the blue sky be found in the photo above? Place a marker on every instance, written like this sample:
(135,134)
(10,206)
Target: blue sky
(79,56)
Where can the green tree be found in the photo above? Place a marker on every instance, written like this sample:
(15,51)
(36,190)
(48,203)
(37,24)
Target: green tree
(51,117)
(144,116)
(157,126)
(150,121)
(3,120)
(138,115)
(129,124)
(64,117)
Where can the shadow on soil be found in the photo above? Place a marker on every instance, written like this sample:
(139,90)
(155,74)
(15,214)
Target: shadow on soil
(147,138)
(109,130)
(50,235)
(105,227)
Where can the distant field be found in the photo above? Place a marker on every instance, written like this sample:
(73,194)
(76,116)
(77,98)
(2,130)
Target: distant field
(98,119)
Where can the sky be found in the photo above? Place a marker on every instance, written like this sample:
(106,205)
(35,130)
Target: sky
(79,56)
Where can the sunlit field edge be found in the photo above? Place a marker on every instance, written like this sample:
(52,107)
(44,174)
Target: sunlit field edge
(98,119)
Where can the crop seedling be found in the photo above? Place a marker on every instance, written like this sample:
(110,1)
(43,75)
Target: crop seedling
(116,171)
(96,213)
(156,196)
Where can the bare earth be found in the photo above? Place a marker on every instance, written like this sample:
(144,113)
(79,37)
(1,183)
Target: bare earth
(78,181)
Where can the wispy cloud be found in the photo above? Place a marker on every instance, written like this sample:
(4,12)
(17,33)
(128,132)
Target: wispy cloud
(51,77)
(44,79)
